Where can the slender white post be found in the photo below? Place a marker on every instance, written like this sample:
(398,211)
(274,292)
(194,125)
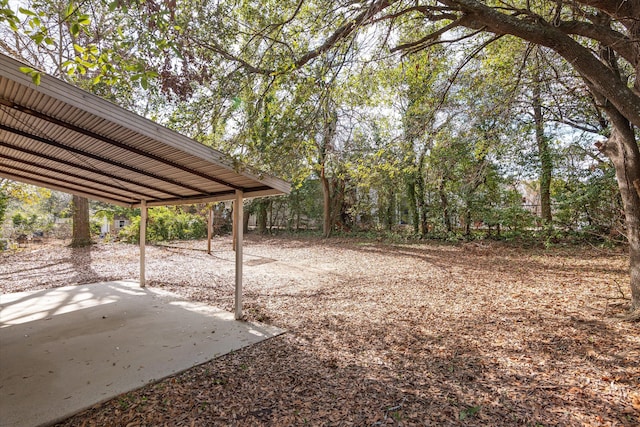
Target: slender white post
(233,226)
(143,240)
(237,216)
(209,229)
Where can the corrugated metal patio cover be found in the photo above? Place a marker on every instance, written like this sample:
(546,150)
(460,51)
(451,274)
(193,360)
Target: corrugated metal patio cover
(57,136)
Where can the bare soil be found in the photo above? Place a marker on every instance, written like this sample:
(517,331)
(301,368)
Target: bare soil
(381,334)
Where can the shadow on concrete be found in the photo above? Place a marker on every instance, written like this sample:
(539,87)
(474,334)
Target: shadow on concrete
(65,349)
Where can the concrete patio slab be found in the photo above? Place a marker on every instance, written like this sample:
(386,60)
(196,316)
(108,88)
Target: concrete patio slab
(65,349)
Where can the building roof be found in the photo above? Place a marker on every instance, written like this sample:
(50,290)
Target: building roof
(58,136)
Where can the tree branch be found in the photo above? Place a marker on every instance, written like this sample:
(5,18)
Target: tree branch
(215,47)
(459,68)
(426,11)
(580,57)
(412,45)
(344,31)
(607,36)
(618,9)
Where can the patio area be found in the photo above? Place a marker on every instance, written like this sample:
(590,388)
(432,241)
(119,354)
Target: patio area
(65,349)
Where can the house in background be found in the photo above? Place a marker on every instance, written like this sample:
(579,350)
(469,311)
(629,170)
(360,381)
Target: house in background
(114,226)
(531,197)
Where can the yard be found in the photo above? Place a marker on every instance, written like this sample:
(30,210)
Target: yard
(381,333)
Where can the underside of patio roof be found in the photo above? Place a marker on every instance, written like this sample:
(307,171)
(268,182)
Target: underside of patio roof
(57,136)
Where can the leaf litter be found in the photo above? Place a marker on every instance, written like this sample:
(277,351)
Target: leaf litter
(380,334)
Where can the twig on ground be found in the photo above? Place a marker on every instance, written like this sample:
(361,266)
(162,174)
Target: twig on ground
(620,289)
(634,316)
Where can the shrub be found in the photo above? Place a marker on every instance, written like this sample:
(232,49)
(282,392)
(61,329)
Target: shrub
(166,224)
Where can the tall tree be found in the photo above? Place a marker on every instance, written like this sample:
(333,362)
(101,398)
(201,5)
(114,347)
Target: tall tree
(422,83)
(544,98)
(81,232)
(542,142)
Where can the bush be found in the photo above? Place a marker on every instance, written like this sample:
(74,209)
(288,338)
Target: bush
(166,224)
(517,219)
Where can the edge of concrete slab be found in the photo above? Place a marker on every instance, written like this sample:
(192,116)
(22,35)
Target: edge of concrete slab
(54,339)
(154,381)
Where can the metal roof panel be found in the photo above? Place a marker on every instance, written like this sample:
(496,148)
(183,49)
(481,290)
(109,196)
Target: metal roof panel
(58,126)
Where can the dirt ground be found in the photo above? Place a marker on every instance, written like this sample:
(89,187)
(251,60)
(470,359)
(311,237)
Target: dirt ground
(382,334)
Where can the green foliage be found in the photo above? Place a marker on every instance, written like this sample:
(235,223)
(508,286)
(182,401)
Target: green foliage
(589,202)
(24,223)
(4,201)
(305,205)
(28,207)
(18,219)
(469,412)
(95,227)
(108,50)
(28,195)
(517,219)
(165,224)
(8,15)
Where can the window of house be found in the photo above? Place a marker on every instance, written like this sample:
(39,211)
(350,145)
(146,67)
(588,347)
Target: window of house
(121,223)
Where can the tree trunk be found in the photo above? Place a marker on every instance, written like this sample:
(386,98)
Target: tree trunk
(622,149)
(246,215)
(391,212)
(81,235)
(421,197)
(445,208)
(329,130)
(274,216)
(467,219)
(337,206)
(261,216)
(546,163)
(424,219)
(326,207)
(413,203)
